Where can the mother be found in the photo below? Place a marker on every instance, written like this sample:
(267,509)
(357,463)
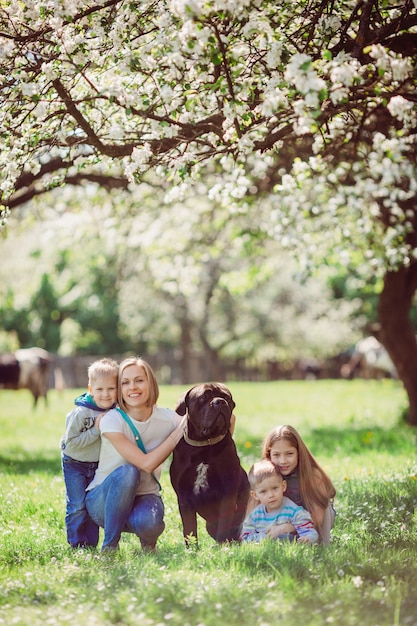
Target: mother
(124,494)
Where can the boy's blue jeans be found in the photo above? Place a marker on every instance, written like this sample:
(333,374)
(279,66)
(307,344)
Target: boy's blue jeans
(81,530)
(114,506)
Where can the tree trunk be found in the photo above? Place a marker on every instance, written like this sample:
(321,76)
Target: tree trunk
(213,365)
(397,333)
(187,374)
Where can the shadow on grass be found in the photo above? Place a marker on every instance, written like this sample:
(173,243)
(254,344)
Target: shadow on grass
(323,442)
(18,462)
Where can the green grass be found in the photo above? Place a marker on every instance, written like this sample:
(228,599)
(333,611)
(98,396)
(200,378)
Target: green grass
(367,576)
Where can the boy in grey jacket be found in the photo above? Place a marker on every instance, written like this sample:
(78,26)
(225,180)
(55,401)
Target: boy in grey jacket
(80,448)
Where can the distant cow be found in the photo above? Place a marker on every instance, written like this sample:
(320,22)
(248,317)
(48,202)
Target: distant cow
(370,359)
(27,368)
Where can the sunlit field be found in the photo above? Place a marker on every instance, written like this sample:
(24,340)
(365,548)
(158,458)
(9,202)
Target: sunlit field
(367,576)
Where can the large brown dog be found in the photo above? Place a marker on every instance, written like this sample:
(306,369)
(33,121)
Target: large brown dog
(205,471)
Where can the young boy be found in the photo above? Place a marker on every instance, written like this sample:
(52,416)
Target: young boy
(276,517)
(81,447)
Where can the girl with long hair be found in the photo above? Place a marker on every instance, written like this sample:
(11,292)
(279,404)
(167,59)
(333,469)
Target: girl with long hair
(308,485)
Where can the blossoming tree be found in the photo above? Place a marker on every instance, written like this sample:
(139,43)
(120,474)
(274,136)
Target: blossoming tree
(307,105)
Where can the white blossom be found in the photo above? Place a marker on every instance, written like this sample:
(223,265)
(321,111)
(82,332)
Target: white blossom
(186,8)
(397,67)
(344,73)
(6,48)
(29,89)
(300,71)
(402,109)
(339,94)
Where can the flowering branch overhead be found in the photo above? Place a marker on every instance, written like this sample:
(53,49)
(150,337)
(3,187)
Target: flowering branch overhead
(308,105)
(122,88)
(109,92)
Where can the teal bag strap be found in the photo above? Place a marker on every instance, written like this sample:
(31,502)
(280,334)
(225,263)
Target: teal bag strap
(138,438)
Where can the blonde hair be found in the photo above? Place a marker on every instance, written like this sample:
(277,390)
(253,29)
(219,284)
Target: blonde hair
(261,470)
(150,377)
(102,367)
(316,488)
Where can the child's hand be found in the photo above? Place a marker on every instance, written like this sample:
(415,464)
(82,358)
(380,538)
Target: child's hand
(303,540)
(281,529)
(98,420)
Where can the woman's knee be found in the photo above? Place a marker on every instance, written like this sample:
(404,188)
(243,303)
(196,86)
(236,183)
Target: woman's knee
(147,516)
(127,475)
(95,507)
(124,479)
(150,532)
(117,488)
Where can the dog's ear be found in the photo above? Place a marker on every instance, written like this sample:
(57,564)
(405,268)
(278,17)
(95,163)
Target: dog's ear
(181,407)
(231,402)
(228,395)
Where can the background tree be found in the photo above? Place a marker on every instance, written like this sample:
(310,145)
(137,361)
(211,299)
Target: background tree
(45,303)
(15,321)
(183,283)
(60,282)
(319,92)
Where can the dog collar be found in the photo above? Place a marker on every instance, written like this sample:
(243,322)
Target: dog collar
(206,442)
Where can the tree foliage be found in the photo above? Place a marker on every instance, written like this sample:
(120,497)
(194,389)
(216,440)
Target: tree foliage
(310,105)
(180,279)
(103,92)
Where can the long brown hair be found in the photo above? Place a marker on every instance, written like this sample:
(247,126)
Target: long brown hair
(316,488)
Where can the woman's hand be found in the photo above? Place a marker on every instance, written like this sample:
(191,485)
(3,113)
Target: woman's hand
(178,433)
(232,424)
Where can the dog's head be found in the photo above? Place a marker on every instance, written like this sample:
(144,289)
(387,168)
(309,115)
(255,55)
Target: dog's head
(209,407)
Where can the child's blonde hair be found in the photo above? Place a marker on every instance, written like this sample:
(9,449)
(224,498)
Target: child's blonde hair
(150,376)
(316,488)
(102,367)
(261,470)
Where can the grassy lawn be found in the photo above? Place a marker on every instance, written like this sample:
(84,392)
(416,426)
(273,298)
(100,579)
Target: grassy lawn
(367,577)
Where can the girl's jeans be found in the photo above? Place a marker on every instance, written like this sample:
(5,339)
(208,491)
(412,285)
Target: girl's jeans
(115,506)
(82,532)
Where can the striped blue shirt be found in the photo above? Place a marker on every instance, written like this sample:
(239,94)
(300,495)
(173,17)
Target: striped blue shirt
(259,521)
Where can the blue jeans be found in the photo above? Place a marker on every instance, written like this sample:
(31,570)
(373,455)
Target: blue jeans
(81,530)
(114,506)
